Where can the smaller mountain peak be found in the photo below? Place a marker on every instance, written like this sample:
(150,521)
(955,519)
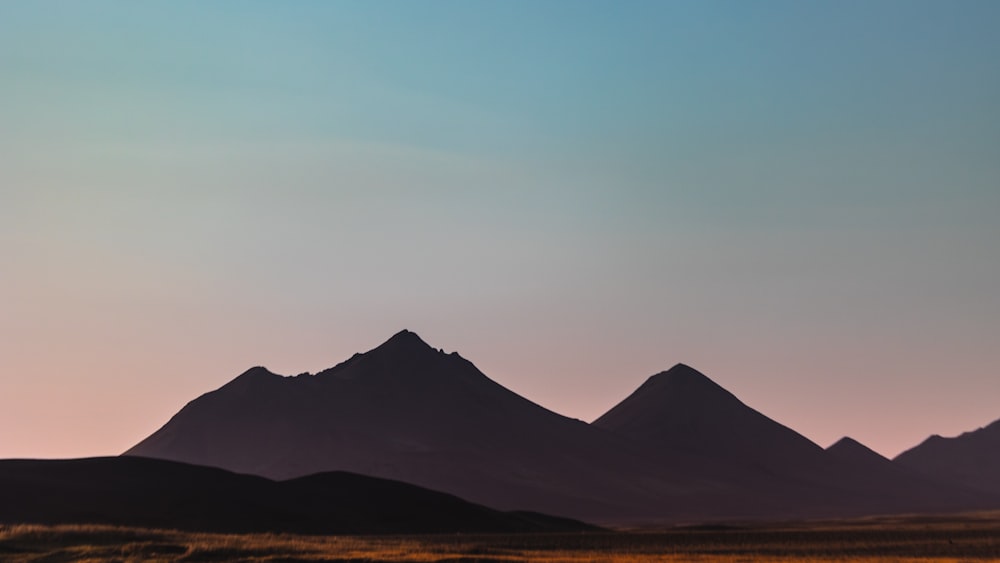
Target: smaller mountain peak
(845,442)
(849,448)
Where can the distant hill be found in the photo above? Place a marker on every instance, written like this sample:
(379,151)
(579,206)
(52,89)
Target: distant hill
(972,459)
(679,449)
(144,492)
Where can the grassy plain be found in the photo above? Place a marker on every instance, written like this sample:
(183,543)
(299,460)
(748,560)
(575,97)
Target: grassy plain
(972,537)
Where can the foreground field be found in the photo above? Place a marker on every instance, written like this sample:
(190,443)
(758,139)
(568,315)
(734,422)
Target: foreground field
(923,539)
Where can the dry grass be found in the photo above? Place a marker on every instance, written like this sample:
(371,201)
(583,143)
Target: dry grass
(908,539)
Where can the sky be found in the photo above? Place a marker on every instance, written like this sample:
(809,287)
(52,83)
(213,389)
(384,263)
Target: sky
(799,199)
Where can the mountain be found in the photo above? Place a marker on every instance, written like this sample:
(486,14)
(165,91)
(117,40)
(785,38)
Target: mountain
(409,412)
(679,449)
(683,410)
(133,491)
(972,459)
(891,484)
(852,451)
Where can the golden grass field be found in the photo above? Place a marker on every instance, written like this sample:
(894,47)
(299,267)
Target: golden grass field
(973,537)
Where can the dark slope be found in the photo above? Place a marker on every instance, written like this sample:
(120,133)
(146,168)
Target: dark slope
(145,492)
(406,411)
(972,459)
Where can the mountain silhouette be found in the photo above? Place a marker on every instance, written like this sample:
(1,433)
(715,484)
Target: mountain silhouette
(972,459)
(680,448)
(853,451)
(891,484)
(683,410)
(409,412)
(134,491)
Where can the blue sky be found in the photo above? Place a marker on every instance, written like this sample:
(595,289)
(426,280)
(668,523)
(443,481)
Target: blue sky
(798,198)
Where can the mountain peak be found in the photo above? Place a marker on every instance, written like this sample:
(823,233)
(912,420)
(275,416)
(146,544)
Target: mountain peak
(681,367)
(404,340)
(257,377)
(404,346)
(685,381)
(679,393)
(257,373)
(683,372)
(849,448)
(845,443)
(683,409)
(403,355)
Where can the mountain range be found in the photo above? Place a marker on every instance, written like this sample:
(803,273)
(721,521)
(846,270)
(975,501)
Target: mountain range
(679,449)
